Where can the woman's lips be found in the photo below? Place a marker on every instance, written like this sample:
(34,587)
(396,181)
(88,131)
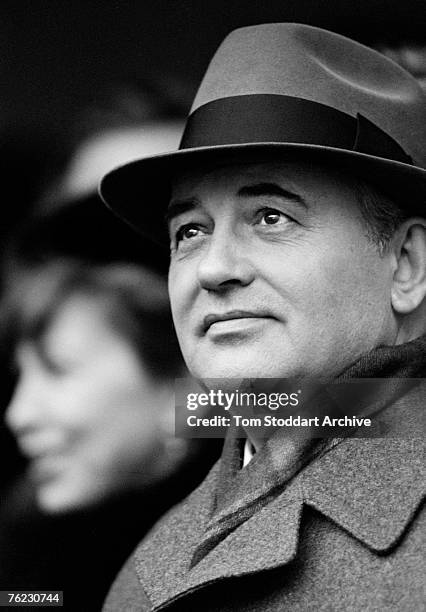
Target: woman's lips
(42,442)
(45,467)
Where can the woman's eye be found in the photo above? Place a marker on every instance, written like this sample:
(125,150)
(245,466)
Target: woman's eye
(57,368)
(273,217)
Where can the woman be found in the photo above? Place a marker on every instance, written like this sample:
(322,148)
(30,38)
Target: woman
(96,357)
(93,414)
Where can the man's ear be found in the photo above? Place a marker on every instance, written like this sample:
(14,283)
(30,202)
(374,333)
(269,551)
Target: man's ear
(409,280)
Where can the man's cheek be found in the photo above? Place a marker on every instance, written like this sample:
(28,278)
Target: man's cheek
(185,330)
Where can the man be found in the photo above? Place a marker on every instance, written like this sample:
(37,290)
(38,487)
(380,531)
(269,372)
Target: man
(296,214)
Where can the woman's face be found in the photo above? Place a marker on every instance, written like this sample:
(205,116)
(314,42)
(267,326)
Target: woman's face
(85,411)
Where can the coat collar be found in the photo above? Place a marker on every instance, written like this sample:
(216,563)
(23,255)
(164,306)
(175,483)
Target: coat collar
(371,488)
(377,493)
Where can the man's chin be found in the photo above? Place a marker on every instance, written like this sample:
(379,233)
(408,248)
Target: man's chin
(238,368)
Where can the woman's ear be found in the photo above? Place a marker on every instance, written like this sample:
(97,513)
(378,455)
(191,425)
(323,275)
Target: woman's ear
(409,279)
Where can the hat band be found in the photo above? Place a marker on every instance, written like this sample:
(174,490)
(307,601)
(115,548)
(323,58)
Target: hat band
(274,118)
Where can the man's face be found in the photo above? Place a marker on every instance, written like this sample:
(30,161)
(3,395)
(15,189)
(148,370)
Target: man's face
(272,274)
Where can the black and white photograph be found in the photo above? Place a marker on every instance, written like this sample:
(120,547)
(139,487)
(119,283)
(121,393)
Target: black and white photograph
(213,305)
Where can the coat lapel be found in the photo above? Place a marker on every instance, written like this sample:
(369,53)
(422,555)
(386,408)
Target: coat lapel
(268,539)
(164,557)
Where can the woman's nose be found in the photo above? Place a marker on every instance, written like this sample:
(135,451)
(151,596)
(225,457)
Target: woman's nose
(25,407)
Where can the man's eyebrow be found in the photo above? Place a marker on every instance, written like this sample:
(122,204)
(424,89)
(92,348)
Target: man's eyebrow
(270,189)
(178,207)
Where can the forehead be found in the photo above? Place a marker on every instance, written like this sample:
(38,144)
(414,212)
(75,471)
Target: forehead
(302,178)
(79,319)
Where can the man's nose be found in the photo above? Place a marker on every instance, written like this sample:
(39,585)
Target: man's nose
(225,262)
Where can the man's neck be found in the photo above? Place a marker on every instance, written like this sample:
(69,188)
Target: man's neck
(404,360)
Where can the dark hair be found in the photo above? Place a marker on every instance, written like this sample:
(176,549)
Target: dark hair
(135,299)
(381,214)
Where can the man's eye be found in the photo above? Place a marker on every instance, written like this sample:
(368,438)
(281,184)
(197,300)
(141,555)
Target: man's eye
(186,232)
(270,216)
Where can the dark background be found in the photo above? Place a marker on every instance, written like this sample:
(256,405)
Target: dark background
(58,55)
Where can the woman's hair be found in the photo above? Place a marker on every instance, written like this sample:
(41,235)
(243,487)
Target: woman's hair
(135,300)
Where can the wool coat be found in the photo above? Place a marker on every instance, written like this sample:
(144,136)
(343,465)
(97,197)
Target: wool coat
(343,531)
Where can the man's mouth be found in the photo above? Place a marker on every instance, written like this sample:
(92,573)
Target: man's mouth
(212,319)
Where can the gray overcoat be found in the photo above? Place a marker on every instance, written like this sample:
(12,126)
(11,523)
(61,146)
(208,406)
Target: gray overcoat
(346,533)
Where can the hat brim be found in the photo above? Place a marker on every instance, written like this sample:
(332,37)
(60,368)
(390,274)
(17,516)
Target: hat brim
(139,192)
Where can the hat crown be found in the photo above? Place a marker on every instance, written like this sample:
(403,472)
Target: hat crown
(305,62)
(291,92)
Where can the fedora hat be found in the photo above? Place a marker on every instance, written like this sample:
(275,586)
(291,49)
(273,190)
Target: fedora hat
(296,93)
